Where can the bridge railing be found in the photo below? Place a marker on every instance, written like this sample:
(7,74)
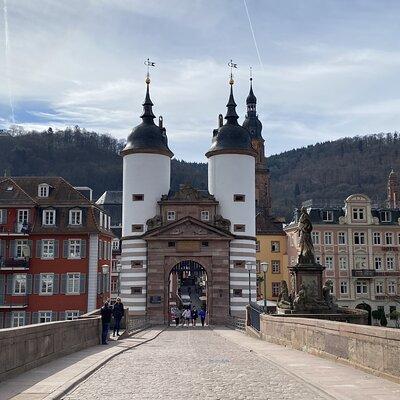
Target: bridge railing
(236,323)
(253,315)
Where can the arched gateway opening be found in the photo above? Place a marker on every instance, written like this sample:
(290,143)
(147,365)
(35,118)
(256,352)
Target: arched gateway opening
(366,307)
(187,288)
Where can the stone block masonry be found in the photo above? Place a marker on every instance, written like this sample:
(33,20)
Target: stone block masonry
(372,349)
(29,346)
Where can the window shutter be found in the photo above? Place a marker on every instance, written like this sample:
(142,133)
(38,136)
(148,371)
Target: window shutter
(99,283)
(12,249)
(82,286)
(27,318)
(36,283)
(9,284)
(29,284)
(99,253)
(56,283)
(2,284)
(54,316)
(3,249)
(38,248)
(1,320)
(35,317)
(3,216)
(105,283)
(65,248)
(7,320)
(30,244)
(63,288)
(61,316)
(83,248)
(56,248)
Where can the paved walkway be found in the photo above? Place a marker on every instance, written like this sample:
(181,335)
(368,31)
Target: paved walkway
(52,380)
(199,363)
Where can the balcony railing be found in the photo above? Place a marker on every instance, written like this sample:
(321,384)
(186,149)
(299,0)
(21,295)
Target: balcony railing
(363,273)
(17,228)
(11,263)
(13,301)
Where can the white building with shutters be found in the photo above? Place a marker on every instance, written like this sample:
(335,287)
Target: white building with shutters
(55,251)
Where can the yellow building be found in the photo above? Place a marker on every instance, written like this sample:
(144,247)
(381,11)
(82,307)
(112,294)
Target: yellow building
(272,248)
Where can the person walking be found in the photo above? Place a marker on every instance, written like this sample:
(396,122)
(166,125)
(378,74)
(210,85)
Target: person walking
(106,313)
(194,316)
(118,312)
(202,315)
(187,315)
(177,315)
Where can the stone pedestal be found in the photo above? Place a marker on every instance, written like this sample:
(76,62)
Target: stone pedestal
(309,275)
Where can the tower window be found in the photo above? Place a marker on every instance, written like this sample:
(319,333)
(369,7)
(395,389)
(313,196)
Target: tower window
(171,215)
(239,228)
(205,215)
(136,264)
(239,197)
(137,197)
(239,264)
(171,244)
(137,228)
(204,244)
(136,290)
(237,292)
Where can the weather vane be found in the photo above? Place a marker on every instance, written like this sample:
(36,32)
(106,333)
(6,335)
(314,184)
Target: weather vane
(232,65)
(251,74)
(149,64)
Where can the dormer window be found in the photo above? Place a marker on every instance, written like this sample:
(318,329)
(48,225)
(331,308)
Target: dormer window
(75,217)
(385,216)
(49,217)
(43,190)
(327,215)
(358,214)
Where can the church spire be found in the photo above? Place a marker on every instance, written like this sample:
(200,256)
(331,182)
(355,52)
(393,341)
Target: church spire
(148,115)
(231,115)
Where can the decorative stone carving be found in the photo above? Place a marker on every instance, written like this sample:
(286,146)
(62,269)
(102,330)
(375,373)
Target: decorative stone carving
(284,298)
(299,302)
(222,223)
(154,222)
(327,294)
(188,193)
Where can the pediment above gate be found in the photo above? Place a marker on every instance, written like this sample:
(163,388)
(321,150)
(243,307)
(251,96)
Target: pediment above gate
(187,228)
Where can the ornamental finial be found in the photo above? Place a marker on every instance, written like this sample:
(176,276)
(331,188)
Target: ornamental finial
(232,65)
(149,64)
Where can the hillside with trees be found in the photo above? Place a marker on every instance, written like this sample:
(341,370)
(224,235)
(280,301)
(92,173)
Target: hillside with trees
(326,172)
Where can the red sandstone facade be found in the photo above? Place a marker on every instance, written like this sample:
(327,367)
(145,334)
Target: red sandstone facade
(54,243)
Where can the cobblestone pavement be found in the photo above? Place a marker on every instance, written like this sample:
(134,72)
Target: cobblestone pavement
(192,364)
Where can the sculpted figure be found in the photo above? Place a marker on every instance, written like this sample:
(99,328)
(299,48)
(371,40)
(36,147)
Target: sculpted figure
(222,222)
(299,302)
(154,222)
(306,245)
(283,298)
(327,294)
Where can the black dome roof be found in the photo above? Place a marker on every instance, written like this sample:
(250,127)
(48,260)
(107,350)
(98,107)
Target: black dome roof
(147,137)
(253,125)
(231,137)
(251,98)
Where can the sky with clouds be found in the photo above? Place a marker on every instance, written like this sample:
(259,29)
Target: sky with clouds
(327,68)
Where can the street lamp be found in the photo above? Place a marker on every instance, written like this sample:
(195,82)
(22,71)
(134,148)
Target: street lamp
(119,269)
(104,269)
(250,265)
(264,267)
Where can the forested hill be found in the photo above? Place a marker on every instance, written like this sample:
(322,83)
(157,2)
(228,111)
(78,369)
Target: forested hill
(326,172)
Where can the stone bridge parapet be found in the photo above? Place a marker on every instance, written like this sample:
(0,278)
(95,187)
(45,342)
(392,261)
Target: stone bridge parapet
(370,348)
(29,346)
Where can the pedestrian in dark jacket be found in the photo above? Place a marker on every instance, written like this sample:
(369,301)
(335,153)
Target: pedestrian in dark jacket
(202,314)
(106,313)
(195,315)
(118,313)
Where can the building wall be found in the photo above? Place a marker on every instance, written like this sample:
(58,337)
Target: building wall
(350,265)
(146,174)
(230,174)
(270,254)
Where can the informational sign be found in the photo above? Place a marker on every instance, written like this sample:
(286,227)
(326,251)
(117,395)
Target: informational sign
(155,299)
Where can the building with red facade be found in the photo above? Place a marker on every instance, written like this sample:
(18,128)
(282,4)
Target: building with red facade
(55,251)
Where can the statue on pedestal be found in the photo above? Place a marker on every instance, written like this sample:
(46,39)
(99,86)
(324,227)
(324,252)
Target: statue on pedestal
(307,254)
(284,298)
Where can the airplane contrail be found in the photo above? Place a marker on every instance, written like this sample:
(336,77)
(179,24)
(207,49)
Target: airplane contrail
(254,36)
